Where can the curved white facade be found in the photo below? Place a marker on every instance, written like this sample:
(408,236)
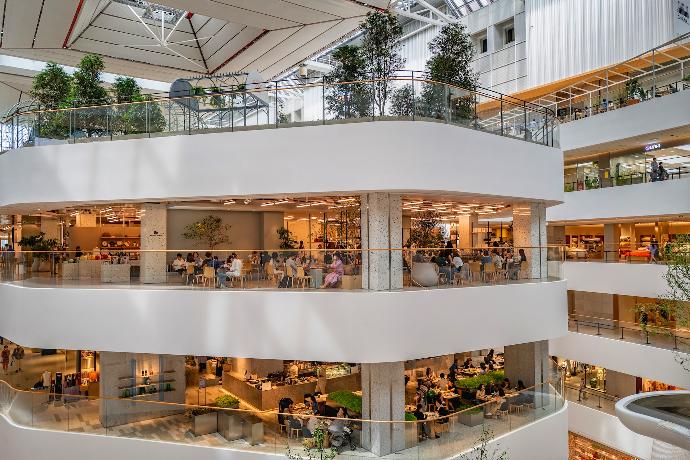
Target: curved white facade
(350,157)
(354,326)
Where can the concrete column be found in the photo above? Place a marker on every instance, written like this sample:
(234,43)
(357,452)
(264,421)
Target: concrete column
(466,226)
(270,223)
(529,233)
(604,170)
(530,363)
(383,398)
(612,237)
(154,238)
(381,228)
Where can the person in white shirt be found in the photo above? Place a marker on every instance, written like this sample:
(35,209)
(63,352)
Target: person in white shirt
(497,259)
(456,263)
(235,266)
(443,382)
(179,265)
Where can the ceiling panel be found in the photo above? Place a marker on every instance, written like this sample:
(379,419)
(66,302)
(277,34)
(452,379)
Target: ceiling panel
(130,33)
(116,39)
(225,36)
(282,9)
(90,10)
(121,11)
(335,7)
(229,49)
(262,46)
(55,22)
(215,9)
(122,52)
(21,17)
(301,37)
(309,48)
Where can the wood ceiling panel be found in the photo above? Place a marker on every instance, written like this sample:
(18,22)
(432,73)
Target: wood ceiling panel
(55,22)
(219,10)
(21,17)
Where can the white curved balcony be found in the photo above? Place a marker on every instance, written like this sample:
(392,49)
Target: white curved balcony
(336,325)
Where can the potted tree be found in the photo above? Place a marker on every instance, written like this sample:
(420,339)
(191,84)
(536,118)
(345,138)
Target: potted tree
(210,230)
(635,92)
(38,243)
(229,421)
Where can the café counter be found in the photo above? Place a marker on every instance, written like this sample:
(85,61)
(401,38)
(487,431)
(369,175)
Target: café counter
(268,399)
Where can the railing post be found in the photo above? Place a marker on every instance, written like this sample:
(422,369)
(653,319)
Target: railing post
(476,116)
(276,104)
(323,98)
(675,342)
(524,118)
(646,332)
(148,121)
(622,332)
(414,103)
(577,326)
(598,328)
(653,73)
(501,114)
(599,404)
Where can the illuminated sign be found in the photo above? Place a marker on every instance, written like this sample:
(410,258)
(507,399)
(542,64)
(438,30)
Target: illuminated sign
(650,147)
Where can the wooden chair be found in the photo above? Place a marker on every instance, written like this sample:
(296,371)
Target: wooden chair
(490,272)
(475,271)
(188,273)
(209,276)
(271,273)
(301,277)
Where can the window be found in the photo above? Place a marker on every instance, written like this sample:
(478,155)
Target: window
(509,34)
(483,45)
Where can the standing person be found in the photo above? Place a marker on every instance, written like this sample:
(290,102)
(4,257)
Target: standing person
(655,170)
(5,355)
(653,250)
(17,356)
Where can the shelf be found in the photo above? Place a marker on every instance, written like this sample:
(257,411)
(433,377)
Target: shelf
(146,384)
(144,376)
(120,237)
(147,394)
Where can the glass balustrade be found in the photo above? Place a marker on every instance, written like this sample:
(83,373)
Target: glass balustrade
(408,95)
(329,270)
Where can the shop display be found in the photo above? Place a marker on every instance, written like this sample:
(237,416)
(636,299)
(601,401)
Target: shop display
(146,382)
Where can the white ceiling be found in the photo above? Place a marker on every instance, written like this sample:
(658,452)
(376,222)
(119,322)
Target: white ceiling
(269,36)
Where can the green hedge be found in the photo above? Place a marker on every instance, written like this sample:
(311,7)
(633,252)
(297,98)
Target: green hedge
(473,383)
(347,399)
(409,417)
(226,401)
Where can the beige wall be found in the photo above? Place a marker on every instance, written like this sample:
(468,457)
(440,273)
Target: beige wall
(90,237)
(593,304)
(619,384)
(261,367)
(245,231)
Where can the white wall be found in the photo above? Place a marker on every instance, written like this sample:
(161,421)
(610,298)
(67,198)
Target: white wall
(635,120)
(316,159)
(341,326)
(607,429)
(642,280)
(650,199)
(569,37)
(631,358)
(546,439)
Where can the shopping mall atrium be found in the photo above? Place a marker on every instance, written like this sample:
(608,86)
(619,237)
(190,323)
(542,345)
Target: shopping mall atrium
(344,229)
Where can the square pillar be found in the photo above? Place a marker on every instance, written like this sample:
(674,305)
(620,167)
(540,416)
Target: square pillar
(612,237)
(383,398)
(529,233)
(530,363)
(270,223)
(381,228)
(154,242)
(466,226)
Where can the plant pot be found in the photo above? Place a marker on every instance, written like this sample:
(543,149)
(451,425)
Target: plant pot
(631,102)
(472,418)
(230,426)
(35,264)
(204,424)
(424,274)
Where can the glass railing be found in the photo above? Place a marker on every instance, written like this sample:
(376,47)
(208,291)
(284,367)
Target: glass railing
(408,95)
(593,250)
(645,334)
(297,269)
(594,399)
(442,434)
(659,72)
(606,177)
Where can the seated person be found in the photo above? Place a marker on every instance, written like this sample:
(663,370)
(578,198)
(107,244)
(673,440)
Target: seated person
(426,427)
(179,265)
(482,366)
(467,364)
(443,382)
(497,260)
(332,279)
(309,427)
(481,393)
(337,425)
(486,259)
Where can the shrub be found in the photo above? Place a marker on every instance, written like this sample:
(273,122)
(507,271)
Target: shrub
(227,401)
(473,383)
(347,399)
(409,417)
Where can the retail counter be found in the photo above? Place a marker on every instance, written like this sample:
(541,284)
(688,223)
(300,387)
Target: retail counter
(84,269)
(268,399)
(115,273)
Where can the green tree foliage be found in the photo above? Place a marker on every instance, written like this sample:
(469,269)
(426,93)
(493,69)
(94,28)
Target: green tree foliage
(87,90)
(286,239)
(210,230)
(483,450)
(426,231)
(451,61)
(380,44)
(314,447)
(402,101)
(348,100)
(134,115)
(51,88)
(672,310)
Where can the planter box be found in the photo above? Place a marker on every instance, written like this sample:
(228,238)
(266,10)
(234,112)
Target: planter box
(471,418)
(204,424)
(230,426)
(253,430)
(411,435)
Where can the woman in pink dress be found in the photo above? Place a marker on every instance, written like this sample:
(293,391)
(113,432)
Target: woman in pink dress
(333,277)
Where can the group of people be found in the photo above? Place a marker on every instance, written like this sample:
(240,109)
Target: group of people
(658,172)
(8,358)
(285,266)
(308,420)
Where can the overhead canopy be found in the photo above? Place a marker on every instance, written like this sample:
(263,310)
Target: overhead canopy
(173,38)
